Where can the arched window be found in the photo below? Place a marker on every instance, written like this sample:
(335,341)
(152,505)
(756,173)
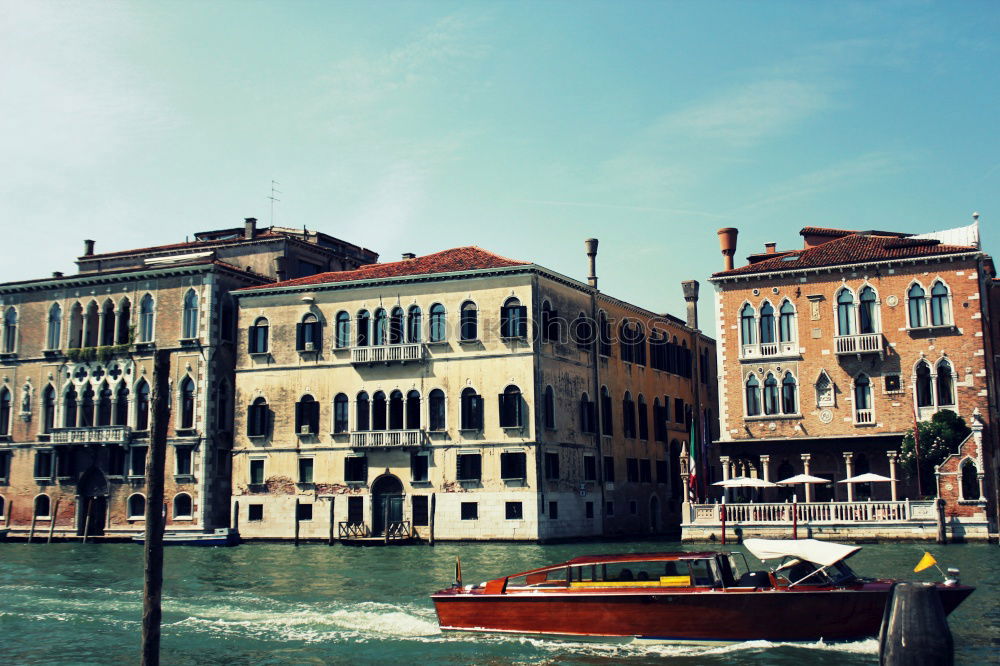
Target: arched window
(413,410)
(104,405)
(121,405)
(308,334)
(945,385)
(753,396)
(125,320)
(396,326)
(48,408)
(639,344)
(379,420)
(970,481)
(940,305)
(380,329)
(190,328)
(258,418)
(75,340)
(42,506)
(788,401)
(588,419)
(786,322)
(511,408)
(91,326)
(182,506)
(770,395)
(625,341)
(845,312)
(438,331)
(307,416)
(187,403)
(923,385)
(766,323)
(513,319)
(364,329)
(258,336)
(916,306)
(603,334)
(10,330)
(87,408)
(607,426)
(413,331)
(108,323)
(142,405)
(136,507)
(867,312)
(340,419)
(54,337)
(343,331)
(551,329)
(436,410)
(396,410)
(5,407)
(70,408)
(628,416)
(583,331)
(824,391)
(472,410)
(146,313)
(863,400)
(468,322)
(747,325)
(550,408)
(362,413)
(643,418)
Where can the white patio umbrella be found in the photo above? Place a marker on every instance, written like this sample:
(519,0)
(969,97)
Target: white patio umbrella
(802,478)
(744,482)
(867,478)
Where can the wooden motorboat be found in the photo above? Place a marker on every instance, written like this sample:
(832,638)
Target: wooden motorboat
(219,537)
(809,594)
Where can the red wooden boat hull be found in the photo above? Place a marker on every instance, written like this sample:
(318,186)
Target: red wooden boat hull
(698,615)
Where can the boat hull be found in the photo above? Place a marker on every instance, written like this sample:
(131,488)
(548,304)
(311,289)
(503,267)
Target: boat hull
(696,616)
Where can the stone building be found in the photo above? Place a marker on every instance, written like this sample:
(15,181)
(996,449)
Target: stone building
(76,369)
(828,354)
(486,397)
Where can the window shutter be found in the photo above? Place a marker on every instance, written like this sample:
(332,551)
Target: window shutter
(314,417)
(317,336)
(252,340)
(522,321)
(298,337)
(250,419)
(476,404)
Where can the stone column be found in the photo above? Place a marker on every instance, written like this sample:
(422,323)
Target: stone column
(806,457)
(765,472)
(725,474)
(849,465)
(100,328)
(893,456)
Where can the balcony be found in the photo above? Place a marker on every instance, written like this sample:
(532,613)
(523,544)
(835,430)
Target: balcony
(387,354)
(864,417)
(118,434)
(384,439)
(866,343)
(766,350)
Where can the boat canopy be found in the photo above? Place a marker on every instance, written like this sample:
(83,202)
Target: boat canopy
(822,553)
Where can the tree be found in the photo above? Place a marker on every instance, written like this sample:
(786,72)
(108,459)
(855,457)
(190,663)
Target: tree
(939,438)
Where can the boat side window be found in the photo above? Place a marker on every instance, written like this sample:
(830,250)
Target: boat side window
(800,572)
(701,574)
(551,578)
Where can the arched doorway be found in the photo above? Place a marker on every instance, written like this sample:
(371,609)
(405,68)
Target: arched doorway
(92,495)
(387,502)
(654,514)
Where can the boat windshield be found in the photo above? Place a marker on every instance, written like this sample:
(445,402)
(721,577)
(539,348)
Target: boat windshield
(800,572)
(672,573)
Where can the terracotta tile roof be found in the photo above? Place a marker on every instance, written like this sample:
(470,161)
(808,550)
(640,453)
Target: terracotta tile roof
(854,248)
(447,261)
(823,231)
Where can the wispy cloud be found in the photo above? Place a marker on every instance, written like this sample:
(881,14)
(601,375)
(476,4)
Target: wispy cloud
(637,209)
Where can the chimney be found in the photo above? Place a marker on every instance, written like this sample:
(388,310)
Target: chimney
(249,227)
(409,255)
(591,245)
(57,274)
(727,242)
(88,248)
(770,248)
(690,288)
(279,268)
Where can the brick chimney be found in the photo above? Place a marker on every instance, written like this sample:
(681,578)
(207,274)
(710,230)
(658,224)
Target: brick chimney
(409,255)
(770,248)
(727,242)
(591,245)
(249,227)
(88,248)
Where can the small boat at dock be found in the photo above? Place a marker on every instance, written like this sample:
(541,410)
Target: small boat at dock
(808,594)
(220,537)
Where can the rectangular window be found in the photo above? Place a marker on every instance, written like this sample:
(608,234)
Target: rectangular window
(609,508)
(304,512)
(356,469)
(420,512)
(632,470)
(470,511)
(589,509)
(893,383)
(678,410)
(4,466)
(43,464)
(661,471)
(513,511)
(65,464)
(137,461)
(513,465)
(356,510)
(182,455)
(470,467)
(589,468)
(551,465)
(609,469)
(633,507)
(645,471)
(418,467)
(116,461)
(257,472)
(255,512)
(553,510)
(305,470)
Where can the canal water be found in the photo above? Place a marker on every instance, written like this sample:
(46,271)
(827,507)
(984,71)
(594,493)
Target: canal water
(278,604)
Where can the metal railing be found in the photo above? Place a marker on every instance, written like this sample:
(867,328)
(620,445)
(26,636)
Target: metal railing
(811,512)
(866,343)
(399,529)
(387,438)
(99,434)
(388,353)
(349,530)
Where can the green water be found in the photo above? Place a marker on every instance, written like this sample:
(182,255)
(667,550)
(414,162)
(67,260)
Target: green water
(277,604)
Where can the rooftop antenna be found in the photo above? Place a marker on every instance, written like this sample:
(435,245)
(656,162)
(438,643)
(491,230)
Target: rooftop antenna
(274,190)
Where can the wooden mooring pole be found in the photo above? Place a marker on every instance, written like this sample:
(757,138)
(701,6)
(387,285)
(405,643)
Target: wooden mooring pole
(942,535)
(333,501)
(86,519)
(153,545)
(296,521)
(385,520)
(52,523)
(431,521)
(31,532)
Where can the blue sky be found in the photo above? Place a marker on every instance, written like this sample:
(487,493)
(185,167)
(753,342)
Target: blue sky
(520,127)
